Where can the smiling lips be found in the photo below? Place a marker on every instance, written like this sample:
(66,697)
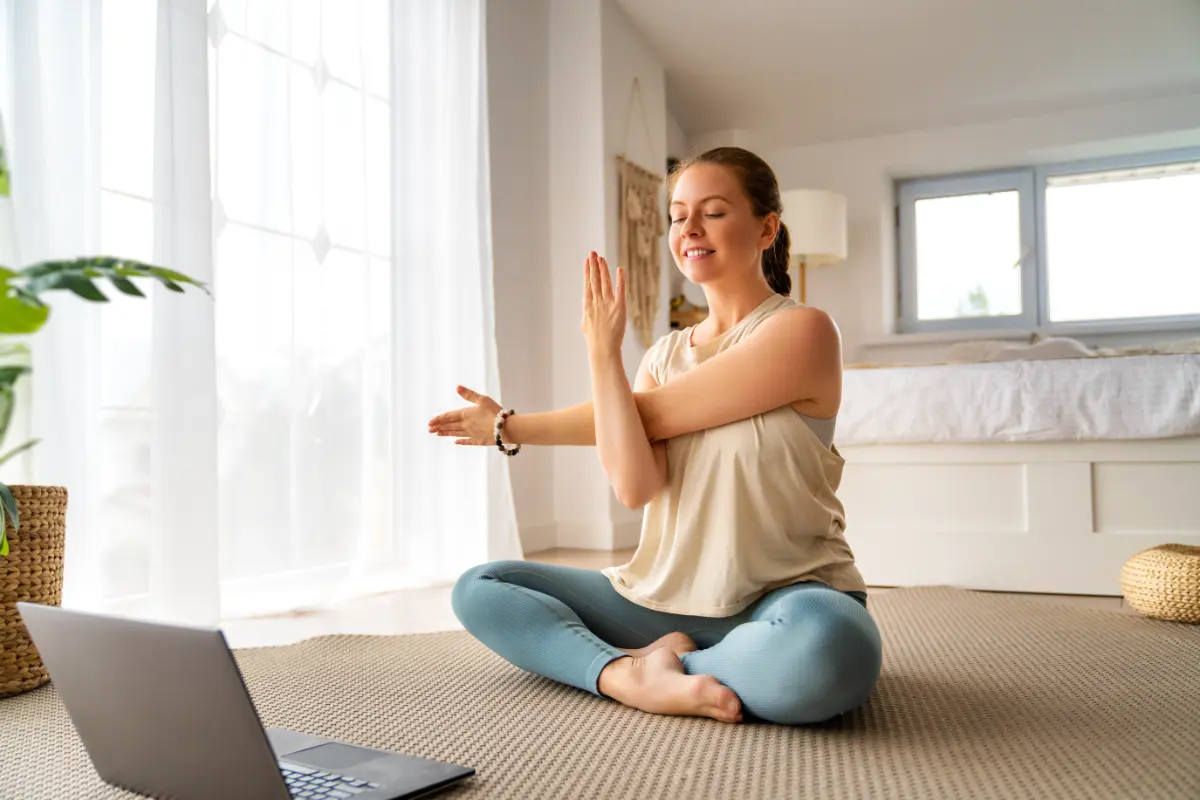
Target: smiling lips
(697,253)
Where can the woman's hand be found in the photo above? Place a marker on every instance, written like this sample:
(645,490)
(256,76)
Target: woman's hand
(473,425)
(603,323)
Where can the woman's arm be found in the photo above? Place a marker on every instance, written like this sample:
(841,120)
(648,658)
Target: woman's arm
(636,469)
(750,378)
(626,455)
(794,355)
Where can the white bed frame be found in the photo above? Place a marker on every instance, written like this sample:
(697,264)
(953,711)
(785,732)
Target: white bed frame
(1055,517)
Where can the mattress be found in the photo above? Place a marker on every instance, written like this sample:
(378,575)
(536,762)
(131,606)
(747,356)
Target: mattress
(1078,399)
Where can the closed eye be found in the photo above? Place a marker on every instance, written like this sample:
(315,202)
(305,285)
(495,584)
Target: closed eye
(709,216)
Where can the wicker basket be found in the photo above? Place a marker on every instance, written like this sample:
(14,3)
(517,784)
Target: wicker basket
(33,572)
(1164,582)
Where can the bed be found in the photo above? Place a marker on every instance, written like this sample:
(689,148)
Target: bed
(1021,475)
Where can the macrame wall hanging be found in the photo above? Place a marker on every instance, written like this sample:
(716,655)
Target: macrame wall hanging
(641,226)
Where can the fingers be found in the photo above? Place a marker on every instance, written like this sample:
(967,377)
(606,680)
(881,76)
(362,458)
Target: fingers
(447,418)
(473,442)
(620,291)
(588,287)
(605,278)
(469,395)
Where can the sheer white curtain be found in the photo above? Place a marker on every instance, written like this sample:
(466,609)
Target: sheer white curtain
(323,164)
(444,325)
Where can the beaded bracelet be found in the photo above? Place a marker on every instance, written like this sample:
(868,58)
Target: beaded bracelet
(501,418)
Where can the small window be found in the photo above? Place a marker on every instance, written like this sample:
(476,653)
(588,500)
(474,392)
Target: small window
(964,252)
(1085,245)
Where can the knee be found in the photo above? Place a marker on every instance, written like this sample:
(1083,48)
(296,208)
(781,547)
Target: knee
(464,597)
(832,670)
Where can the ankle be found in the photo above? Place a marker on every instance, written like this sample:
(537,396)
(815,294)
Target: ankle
(615,677)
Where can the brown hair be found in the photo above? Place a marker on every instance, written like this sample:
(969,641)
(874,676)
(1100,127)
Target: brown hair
(759,183)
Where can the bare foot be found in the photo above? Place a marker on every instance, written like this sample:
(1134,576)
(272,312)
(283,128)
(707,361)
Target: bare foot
(656,684)
(677,642)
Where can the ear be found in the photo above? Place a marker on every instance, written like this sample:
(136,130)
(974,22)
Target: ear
(770,229)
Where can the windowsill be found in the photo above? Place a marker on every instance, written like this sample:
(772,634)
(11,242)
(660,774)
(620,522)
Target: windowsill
(1077,330)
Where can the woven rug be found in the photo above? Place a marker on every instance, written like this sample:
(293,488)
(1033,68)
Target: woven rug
(982,696)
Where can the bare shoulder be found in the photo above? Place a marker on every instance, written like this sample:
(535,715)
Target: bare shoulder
(808,339)
(803,326)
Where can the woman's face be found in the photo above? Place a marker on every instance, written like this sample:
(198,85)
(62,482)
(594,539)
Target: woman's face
(714,233)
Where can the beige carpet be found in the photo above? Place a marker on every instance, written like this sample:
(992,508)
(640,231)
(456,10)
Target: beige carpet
(982,696)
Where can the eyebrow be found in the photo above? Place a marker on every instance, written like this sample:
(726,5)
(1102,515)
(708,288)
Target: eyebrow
(702,200)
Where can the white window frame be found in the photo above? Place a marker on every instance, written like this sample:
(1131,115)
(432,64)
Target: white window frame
(1030,182)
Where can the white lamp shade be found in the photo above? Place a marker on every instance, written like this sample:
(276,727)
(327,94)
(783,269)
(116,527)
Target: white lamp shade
(816,223)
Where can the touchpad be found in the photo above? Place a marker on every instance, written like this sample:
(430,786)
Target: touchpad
(332,756)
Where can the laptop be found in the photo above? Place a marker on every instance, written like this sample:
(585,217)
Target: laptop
(163,711)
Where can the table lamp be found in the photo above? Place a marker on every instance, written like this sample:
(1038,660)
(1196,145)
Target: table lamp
(816,223)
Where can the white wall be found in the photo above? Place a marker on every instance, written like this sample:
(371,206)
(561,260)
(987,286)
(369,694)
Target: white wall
(678,146)
(860,293)
(560,76)
(640,134)
(582,498)
(519,113)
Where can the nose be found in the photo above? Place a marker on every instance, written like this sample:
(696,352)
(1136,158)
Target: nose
(690,226)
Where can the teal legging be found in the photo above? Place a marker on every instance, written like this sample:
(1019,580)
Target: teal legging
(800,654)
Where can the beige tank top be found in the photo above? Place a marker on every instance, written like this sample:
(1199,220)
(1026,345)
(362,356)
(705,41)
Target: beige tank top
(748,507)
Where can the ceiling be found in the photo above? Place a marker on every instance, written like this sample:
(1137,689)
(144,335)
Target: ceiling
(801,71)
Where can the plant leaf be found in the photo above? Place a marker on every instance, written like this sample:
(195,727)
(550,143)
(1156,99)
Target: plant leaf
(83,287)
(17,316)
(77,275)
(16,451)
(13,350)
(8,504)
(126,286)
(8,377)
(9,374)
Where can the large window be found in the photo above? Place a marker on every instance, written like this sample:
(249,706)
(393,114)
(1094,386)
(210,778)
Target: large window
(1087,245)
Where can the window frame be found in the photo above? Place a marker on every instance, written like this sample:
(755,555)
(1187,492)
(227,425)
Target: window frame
(1030,182)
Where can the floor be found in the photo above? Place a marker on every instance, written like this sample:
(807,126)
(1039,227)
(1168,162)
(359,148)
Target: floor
(428,610)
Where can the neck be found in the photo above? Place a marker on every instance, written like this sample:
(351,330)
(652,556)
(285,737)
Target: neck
(729,305)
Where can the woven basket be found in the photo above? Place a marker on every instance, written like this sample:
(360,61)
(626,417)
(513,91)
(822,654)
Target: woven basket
(1164,582)
(33,572)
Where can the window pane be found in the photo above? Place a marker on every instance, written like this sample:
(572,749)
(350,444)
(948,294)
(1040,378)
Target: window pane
(127,231)
(267,23)
(127,42)
(344,190)
(376,50)
(341,39)
(968,250)
(1124,244)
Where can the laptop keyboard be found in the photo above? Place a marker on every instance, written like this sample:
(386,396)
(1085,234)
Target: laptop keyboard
(317,784)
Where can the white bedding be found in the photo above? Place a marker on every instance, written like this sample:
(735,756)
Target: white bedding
(1078,399)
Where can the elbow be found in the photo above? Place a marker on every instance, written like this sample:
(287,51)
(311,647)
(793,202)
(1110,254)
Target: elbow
(633,500)
(636,495)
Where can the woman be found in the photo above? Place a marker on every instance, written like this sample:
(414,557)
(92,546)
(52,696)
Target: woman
(742,596)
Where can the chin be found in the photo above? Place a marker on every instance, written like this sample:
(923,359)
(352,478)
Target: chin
(700,273)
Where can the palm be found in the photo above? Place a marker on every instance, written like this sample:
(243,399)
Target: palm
(471,425)
(603,323)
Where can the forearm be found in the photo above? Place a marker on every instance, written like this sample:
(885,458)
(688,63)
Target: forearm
(566,426)
(624,449)
(574,425)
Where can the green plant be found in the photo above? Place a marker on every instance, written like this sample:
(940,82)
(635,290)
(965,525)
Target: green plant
(23,312)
